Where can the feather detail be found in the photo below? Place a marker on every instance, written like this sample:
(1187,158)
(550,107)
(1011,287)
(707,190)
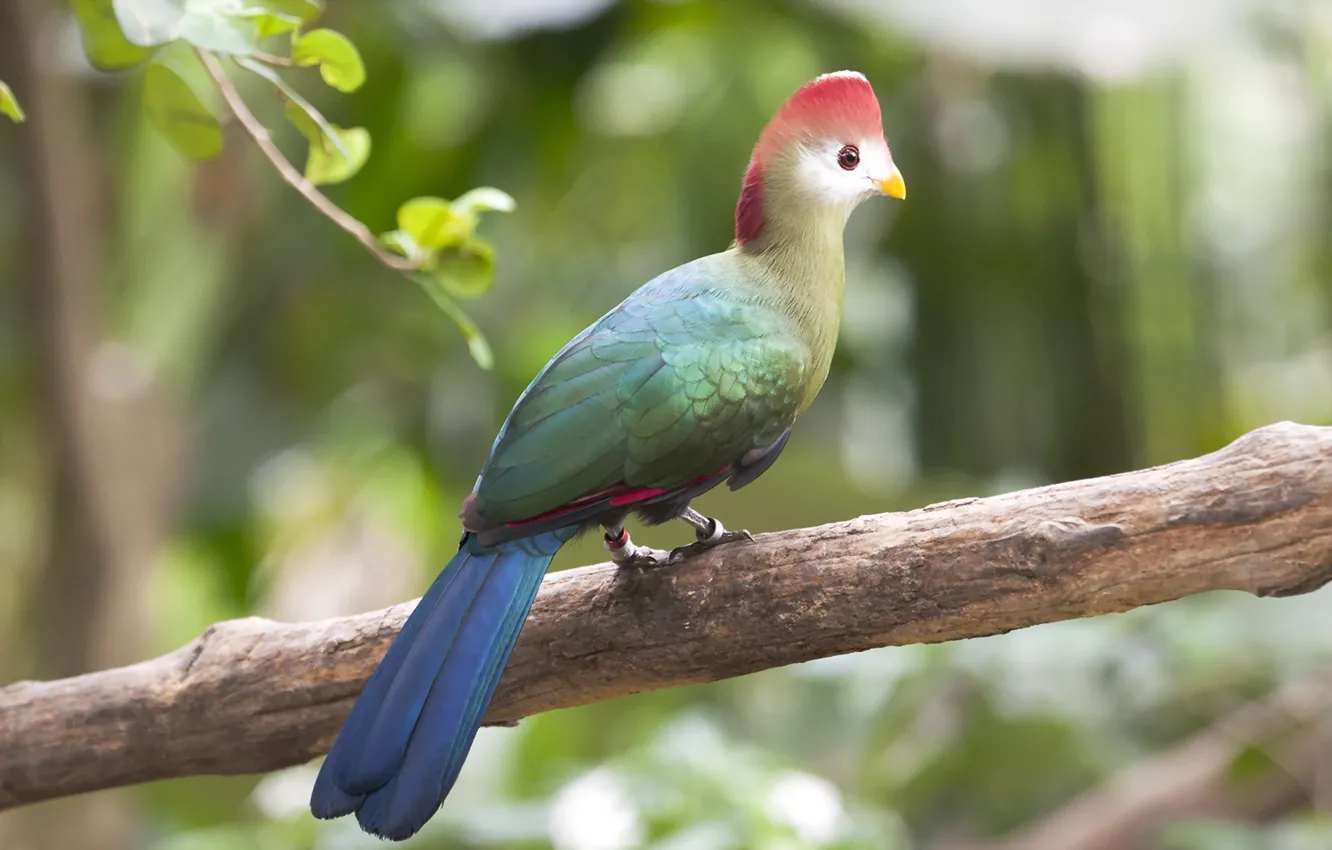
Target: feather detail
(613,497)
(837,104)
(694,380)
(400,750)
(840,104)
(749,216)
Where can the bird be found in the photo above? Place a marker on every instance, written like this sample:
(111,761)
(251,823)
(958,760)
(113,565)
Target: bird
(693,380)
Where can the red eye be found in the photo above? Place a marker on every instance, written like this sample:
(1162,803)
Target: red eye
(848,157)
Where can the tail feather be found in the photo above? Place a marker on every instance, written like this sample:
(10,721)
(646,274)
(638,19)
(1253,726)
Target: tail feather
(405,741)
(384,746)
(337,791)
(453,712)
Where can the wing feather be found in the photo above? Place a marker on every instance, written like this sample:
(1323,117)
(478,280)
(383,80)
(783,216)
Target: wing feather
(680,380)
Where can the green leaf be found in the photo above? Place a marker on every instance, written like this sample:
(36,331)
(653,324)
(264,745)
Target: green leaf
(402,242)
(9,105)
(148,23)
(274,17)
(338,59)
(432,223)
(484,199)
(476,341)
(1249,765)
(301,120)
(332,141)
(353,149)
(269,24)
(176,111)
(222,26)
(300,11)
(103,42)
(214,25)
(468,271)
(305,10)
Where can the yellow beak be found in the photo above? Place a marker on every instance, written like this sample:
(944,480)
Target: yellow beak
(893,186)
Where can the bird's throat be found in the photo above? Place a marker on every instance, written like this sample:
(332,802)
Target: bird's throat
(800,262)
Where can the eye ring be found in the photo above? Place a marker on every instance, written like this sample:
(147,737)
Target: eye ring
(848,157)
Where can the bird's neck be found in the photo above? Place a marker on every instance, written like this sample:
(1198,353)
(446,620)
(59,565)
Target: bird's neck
(798,260)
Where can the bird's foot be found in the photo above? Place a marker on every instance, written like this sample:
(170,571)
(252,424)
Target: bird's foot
(712,535)
(626,554)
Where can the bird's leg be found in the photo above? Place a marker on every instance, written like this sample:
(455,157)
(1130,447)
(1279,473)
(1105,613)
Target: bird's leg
(710,533)
(625,553)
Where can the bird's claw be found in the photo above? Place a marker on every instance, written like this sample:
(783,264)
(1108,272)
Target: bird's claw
(640,557)
(703,544)
(628,555)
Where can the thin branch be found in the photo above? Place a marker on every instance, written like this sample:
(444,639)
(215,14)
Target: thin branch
(1194,778)
(289,173)
(254,695)
(271,59)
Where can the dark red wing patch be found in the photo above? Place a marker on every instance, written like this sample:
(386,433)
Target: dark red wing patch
(617,496)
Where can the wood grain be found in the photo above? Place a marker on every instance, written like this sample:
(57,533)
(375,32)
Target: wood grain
(254,695)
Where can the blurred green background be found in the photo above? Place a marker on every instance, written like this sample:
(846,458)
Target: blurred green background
(1115,253)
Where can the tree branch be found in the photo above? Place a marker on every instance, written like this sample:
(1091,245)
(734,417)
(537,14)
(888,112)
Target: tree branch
(1193,779)
(289,173)
(254,695)
(271,59)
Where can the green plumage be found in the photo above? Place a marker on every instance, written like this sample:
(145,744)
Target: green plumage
(692,381)
(682,378)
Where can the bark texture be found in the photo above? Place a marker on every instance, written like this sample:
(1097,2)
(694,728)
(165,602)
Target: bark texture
(254,695)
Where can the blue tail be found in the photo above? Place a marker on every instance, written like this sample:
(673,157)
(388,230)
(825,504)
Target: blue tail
(407,736)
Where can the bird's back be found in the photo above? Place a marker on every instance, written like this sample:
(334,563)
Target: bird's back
(678,381)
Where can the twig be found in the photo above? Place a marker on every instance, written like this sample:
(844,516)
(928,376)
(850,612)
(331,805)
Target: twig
(289,173)
(270,59)
(254,695)
(1193,778)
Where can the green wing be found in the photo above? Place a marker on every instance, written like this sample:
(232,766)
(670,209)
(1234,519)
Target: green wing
(677,382)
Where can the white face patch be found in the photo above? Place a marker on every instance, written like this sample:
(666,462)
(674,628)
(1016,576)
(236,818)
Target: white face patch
(823,179)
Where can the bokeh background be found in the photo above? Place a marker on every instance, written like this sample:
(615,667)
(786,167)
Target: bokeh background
(1115,253)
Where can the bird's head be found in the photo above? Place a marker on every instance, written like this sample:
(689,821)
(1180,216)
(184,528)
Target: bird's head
(823,151)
